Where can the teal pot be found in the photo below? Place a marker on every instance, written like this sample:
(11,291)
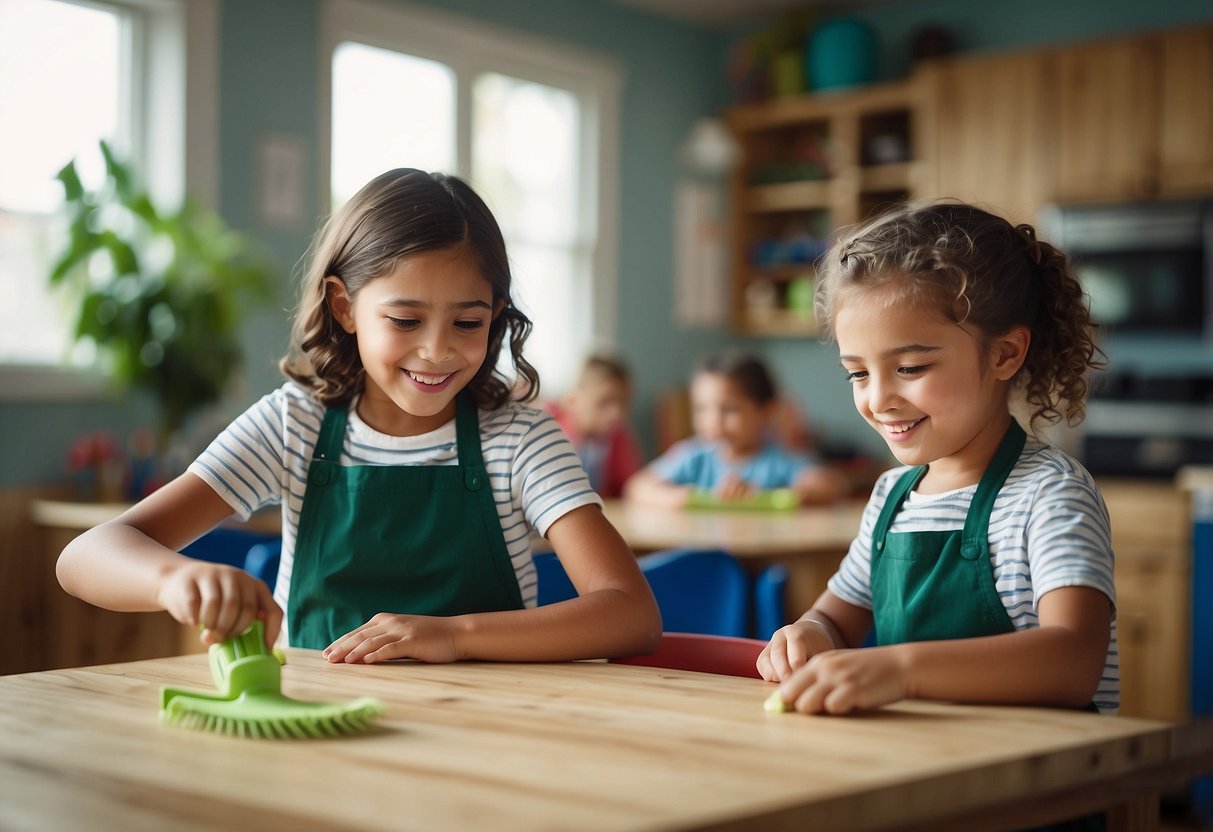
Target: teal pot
(841,53)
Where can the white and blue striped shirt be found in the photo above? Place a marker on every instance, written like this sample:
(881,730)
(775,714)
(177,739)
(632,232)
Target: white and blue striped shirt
(1049,528)
(262,458)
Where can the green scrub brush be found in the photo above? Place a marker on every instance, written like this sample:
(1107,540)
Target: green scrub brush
(250,702)
(779,499)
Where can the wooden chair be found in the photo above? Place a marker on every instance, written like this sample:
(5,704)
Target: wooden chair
(723,655)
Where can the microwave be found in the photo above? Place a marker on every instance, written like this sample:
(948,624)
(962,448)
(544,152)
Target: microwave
(1147,266)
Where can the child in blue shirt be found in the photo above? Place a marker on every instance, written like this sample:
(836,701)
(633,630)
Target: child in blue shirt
(733,455)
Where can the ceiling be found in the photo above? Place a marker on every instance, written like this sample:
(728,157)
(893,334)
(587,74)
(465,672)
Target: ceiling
(726,13)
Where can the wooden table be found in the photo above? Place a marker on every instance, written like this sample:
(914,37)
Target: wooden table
(585,746)
(809,542)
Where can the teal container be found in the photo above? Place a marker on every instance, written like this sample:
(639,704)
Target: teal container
(840,53)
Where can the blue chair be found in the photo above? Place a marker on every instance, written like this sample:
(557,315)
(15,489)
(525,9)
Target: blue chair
(700,591)
(724,655)
(224,545)
(261,560)
(770,605)
(554,583)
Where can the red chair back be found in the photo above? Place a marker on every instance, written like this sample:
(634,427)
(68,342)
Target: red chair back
(725,655)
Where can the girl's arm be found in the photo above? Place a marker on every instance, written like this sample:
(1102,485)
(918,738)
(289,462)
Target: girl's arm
(132,563)
(649,489)
(614,614)
(1058,663)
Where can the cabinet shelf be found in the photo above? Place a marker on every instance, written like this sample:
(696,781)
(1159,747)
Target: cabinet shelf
(872,141)
(895,176)
(788,196)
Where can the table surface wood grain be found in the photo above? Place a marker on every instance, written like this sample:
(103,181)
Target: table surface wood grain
(586,746)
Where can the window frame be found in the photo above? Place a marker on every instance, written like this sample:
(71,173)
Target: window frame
(470,47)
(172,129)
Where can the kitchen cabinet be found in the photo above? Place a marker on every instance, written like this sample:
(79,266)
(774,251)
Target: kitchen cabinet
(991,147)
(1186,112)
(1152,541)
(809,165)
(1135,119)
(1113,120)
(1107,121)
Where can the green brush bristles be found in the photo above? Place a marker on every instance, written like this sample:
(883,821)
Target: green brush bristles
(272,716)
(250,702)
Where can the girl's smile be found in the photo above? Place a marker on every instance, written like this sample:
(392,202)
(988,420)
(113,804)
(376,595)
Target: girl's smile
(429,383)
(900,431)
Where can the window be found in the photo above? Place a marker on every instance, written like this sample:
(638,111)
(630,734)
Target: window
(531,126)
(74,73)
(63,71)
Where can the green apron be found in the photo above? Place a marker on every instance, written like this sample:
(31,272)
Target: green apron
(940,585)
(416,539)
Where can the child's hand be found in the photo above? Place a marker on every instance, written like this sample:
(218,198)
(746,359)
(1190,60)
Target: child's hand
(732,487)
(387,636)
(790,647)
(221,599)
(841,681)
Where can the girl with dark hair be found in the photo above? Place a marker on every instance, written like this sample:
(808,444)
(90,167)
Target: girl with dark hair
(409,481)
(734,456)
(984,563)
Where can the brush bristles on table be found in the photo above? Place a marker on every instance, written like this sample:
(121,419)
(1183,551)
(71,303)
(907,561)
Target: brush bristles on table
(314,720)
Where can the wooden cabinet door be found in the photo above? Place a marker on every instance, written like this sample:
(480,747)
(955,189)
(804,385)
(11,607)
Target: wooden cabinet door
(1107,124)
(992,137)
(1186,112)
(1152,544)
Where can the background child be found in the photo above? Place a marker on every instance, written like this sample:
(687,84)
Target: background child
(409,482)
(594,416)
(987,566)
(733,453)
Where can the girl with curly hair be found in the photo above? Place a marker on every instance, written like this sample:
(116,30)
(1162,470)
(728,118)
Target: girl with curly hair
(984,563)
(409,480)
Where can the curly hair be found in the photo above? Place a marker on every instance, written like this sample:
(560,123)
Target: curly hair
(979,270)
(399,213)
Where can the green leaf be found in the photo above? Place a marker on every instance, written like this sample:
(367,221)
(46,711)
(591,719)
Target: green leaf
(124,257)
(118,173)
(72,187)
(167,324)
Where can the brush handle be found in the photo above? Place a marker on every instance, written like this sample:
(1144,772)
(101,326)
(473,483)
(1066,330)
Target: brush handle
(243,663)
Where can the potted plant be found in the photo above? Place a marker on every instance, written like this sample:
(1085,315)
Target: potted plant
(160,294)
